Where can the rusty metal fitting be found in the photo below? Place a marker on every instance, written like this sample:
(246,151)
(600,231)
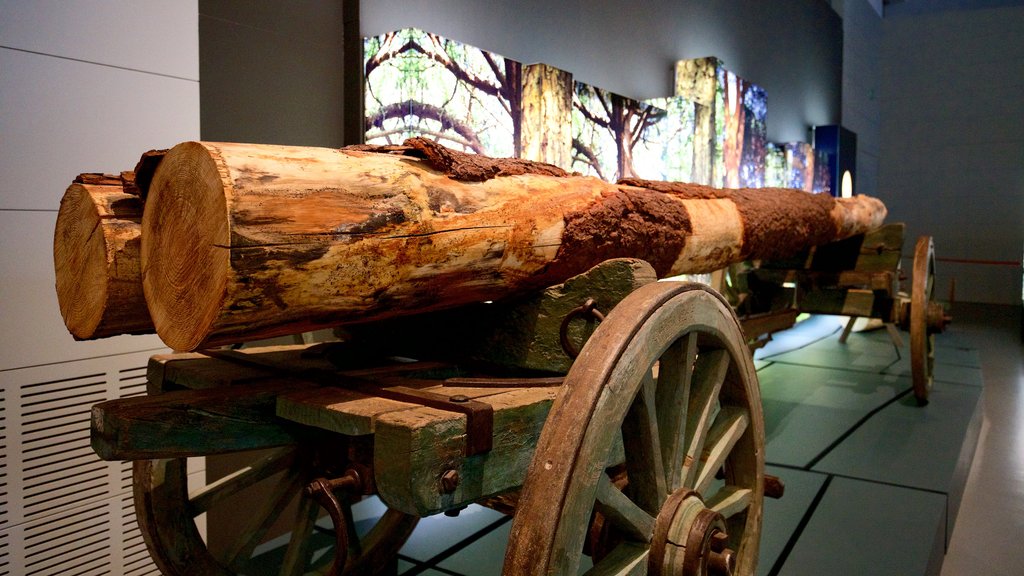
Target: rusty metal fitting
(449,481)
(589,307)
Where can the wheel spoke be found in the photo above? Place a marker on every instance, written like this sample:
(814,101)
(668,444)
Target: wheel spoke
(627,559)
(249,538)
(297,554)
(209,496)
(730,500)
(729,426)
(709,374)
(675,374)
(623,512)
(642,443)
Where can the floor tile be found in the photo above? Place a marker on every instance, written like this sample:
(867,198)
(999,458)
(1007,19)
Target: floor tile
(807,408)
(864,528)
(483,557)
(782,516)
(435,534)
(806,331)
(956,355)
(909,445)
(943,372)
(856,354)
(405,568)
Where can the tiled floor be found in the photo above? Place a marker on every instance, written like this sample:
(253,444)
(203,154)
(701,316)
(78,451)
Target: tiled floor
(871,479)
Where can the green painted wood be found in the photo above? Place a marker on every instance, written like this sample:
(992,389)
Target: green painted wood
(414,448)
(876,251)
(519,335)
(192,423)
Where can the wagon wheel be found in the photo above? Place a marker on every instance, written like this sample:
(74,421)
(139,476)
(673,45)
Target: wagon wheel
(926,318)
(167,516)
(669,369)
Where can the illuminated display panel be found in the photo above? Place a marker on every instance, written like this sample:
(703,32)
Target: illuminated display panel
(422,84)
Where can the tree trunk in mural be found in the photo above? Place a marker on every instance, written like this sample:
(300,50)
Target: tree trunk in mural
(734,123)
(97,260)
(621,124)
(697,80)
(546,122)
(245,241)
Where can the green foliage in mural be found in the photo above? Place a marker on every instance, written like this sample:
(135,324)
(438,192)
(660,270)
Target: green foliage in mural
(421,84)
(668,154)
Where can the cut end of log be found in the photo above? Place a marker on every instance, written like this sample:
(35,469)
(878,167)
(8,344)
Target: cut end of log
(80,262)
(186,244)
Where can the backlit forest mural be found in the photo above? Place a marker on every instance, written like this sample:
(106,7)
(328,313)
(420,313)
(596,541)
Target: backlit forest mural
(713,130)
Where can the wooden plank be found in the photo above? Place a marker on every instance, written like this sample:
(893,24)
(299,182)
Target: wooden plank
(876,251)
(813,280)
(866,303)
(195,370)
(414,448)
(192,422)
(337,409)
(521,334)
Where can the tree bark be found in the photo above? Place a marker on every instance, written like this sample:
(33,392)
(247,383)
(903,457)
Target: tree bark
(546,124)
(697,80)
(244,241)
(96,258)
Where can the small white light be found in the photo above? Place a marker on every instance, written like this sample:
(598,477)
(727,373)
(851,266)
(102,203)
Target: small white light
(846,188)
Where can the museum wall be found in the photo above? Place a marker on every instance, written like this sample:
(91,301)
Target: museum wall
(952,144)
(861,108)
(791,48)
(271,71)
(86,86)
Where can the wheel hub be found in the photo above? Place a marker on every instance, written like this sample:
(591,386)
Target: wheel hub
(690,539)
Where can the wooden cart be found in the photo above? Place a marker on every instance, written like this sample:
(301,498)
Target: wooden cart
(859,277)
(647,455)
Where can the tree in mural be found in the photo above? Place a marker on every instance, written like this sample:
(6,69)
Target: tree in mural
(799,166)
(607,128)
(421,84)
(670,151)
(755,137)
(734,90)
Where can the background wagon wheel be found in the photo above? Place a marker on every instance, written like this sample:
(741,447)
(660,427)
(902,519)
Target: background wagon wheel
(923,310)
(167,516)
(668,373)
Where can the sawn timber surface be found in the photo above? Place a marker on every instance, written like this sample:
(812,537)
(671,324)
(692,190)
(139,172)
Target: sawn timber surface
(413,444)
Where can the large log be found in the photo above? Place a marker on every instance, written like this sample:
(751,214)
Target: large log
(243,241)
(96,258)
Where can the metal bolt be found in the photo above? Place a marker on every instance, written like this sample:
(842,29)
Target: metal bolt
(458,398)
(449,481)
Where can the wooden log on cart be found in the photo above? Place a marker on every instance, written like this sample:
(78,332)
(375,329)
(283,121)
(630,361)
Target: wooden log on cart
(244,241)
(96,257)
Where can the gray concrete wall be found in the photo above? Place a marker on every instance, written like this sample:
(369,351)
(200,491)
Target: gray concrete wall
(952,141)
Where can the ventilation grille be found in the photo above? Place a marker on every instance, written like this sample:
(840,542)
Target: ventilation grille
(58,465)
(4,496)
(5,553)
(65,511)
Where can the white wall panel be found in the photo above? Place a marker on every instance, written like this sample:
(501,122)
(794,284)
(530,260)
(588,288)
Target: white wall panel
(31,329)
(150,35)
(62,118)
(62,509)
(85,86)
